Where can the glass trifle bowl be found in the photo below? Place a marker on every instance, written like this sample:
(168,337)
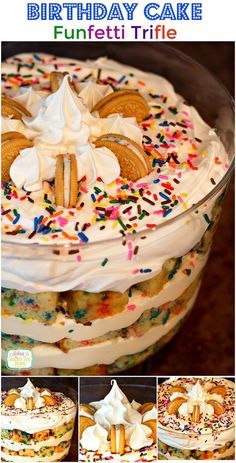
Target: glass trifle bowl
(37,420)
(196,419)
(99,287)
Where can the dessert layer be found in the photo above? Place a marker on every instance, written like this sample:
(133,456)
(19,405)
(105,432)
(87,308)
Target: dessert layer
(226,452)
(188,159)
(36,446)
(144,455)
(55,456)
(65,327)
(107,352)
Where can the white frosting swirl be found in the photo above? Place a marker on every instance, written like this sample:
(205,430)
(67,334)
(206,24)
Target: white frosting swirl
(91,92)
(95,438)
(27,97)
(60,118)
(115,123)
(20,403)
(138,436)
(115,409)
(150,415)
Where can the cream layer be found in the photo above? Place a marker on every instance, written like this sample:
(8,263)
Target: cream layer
(106,352)
(67,328)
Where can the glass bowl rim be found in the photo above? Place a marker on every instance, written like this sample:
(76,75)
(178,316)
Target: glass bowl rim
(219,186)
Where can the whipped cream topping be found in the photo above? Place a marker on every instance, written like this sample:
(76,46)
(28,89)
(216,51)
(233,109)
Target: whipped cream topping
(212,431)
(91,92)
(115,409)
(61,124)
(150,415)
(95,438)
(27,391)
(197,395)
(138,436)
(173,129)
(41,417)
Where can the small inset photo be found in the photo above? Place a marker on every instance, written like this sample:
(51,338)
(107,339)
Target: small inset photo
(39,419)
(196,417)
(118,419)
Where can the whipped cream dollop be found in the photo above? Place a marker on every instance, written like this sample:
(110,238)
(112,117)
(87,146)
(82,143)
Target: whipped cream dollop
(91,92)
(27,97)
(150,415)
(115,409)
(95,438)
(138,436)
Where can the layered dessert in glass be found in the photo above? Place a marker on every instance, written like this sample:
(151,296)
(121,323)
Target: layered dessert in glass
(116,429)
(196,419)
(37,424)
(112,188)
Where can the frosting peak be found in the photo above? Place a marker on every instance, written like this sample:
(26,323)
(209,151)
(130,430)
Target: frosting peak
(95,438)
(138,436)
(60,117)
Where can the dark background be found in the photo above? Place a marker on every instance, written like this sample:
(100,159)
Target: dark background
(141,389)
(69,386)
(205,345)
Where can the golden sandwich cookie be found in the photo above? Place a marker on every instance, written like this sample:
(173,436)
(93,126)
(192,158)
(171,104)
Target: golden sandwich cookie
(152,424)
(10,399)
(87,409)
(13,109)
(84,423)
(134,162)
(11,145)
(129,103)
(66,180)
(174,405)
(146,407)
(56,79)
(117,438)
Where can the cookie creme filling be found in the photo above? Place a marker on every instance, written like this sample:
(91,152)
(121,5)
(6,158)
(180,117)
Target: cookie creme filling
(211,432)
(187,156)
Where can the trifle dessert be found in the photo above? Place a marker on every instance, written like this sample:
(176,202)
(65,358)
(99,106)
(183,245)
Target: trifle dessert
(196,419)
(107,224)
(36,424)
(116,429)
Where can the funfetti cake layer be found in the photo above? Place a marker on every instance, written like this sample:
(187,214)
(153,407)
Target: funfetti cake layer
(117,430)
(188,159)
(196,418)
(36,425)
